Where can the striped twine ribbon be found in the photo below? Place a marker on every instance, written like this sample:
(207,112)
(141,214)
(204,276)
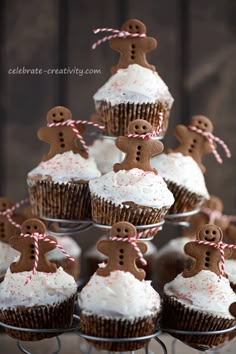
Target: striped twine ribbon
(9,212)
(116,34)
(216,214)
(36,236)
(154,133)
(211,138)
(220,246)
(133,241)
(72,123)
(149,232)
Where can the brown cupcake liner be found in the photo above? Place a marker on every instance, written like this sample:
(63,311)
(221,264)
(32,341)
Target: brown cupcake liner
(178,316)
(39,317)
(60,201)
(184,200)
(104,327)
(72,268)
(117,118)
(106,213)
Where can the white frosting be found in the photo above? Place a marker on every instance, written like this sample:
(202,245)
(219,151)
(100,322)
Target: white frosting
(69,245)
(7,255)
(182,170)
(230,269)
(135,185)
(43,289)
(203,292)
(105,154)
(134,84)
(67,167)
(119,295)
(175,245)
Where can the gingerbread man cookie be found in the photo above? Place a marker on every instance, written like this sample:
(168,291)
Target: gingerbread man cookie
(133,49)
(63,138)
(121,255)
(205,257)
(138,151)
(214,204)
(7,230)
(192,143)
(231,236)
(26,246)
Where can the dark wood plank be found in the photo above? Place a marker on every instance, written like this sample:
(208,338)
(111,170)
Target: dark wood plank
(31,42)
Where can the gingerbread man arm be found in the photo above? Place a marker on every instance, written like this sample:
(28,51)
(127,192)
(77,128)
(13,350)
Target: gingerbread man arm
(228,252)
(16,242)
(188,249)
(101,247)
(81,128)
(142,246)
(208,147)
(180,132)
(119,143)
(115,44)
(43,134)
(148,44)
(50,246)
(156,147)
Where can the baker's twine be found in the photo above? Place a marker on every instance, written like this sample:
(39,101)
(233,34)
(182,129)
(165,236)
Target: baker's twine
(133,241)
(37,236)
(72,123)
(10,211)
(211,138)
(220,246)
(116,34)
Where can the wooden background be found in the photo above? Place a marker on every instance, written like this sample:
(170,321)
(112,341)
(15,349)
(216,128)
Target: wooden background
(195,56)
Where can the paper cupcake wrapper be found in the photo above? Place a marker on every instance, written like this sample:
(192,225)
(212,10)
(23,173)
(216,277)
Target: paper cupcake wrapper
(117,118)
(103,327)
(60,201)
(184,199)
(106,213)
(39,317)
(178,316)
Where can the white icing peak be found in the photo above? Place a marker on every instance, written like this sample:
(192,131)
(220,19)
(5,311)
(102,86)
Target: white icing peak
(7,255)
(119,294)
(105,154)
(43,289)
(69,245)
(182,170)
(134,84)
(205,292)
(135,185)
(67,167)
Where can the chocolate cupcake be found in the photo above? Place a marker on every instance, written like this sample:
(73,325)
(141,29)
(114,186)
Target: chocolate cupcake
(117,302)
(198,299)
(34,293)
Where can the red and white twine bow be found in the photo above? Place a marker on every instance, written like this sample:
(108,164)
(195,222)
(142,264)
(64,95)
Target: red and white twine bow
(154,133)
(133,241)
(9,212)
(211,138)
(116,34)
(72,123)
(220,246)
(36,236)
(213,214)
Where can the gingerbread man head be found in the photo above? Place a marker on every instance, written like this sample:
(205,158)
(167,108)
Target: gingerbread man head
(58,114)
(210,233)
(134,26)
(202,122)
(140,126)
(5,203)
(123,229)
(33,225)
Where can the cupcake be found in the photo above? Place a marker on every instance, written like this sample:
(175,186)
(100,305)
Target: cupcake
(35,294)
(230,264)
(185,180)
(198,299)
(58,186)
(107,307)
(73,249)
(134,191)
(135,90)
